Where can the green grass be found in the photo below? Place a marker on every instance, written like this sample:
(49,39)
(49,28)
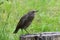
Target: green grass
(46,20)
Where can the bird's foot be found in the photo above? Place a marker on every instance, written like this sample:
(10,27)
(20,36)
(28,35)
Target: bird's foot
(28,34)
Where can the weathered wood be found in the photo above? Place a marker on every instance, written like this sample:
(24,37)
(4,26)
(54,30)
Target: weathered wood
(42,36)
(30,37)
(51,36)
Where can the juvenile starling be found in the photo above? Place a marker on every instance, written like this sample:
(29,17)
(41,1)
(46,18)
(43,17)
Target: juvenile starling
(25,21)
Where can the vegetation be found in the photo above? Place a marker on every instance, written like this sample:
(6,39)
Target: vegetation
(46,20)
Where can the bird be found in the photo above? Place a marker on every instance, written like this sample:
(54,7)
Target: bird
(25,21)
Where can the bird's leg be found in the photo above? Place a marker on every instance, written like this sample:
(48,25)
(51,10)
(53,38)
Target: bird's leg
(26,31)
(22,31)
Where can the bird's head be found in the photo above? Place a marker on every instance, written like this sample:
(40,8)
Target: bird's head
(34,11)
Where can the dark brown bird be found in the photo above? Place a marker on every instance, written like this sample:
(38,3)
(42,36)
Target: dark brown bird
(25,21)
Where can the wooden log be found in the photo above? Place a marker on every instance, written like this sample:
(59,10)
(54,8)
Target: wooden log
(30,37)
(42,36)
(51,36)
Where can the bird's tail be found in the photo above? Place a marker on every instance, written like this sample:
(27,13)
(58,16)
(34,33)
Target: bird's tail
(16,31)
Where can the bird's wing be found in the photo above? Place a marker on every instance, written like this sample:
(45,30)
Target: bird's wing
(23,19)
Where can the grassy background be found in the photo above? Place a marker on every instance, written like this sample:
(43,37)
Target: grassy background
(47,19)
